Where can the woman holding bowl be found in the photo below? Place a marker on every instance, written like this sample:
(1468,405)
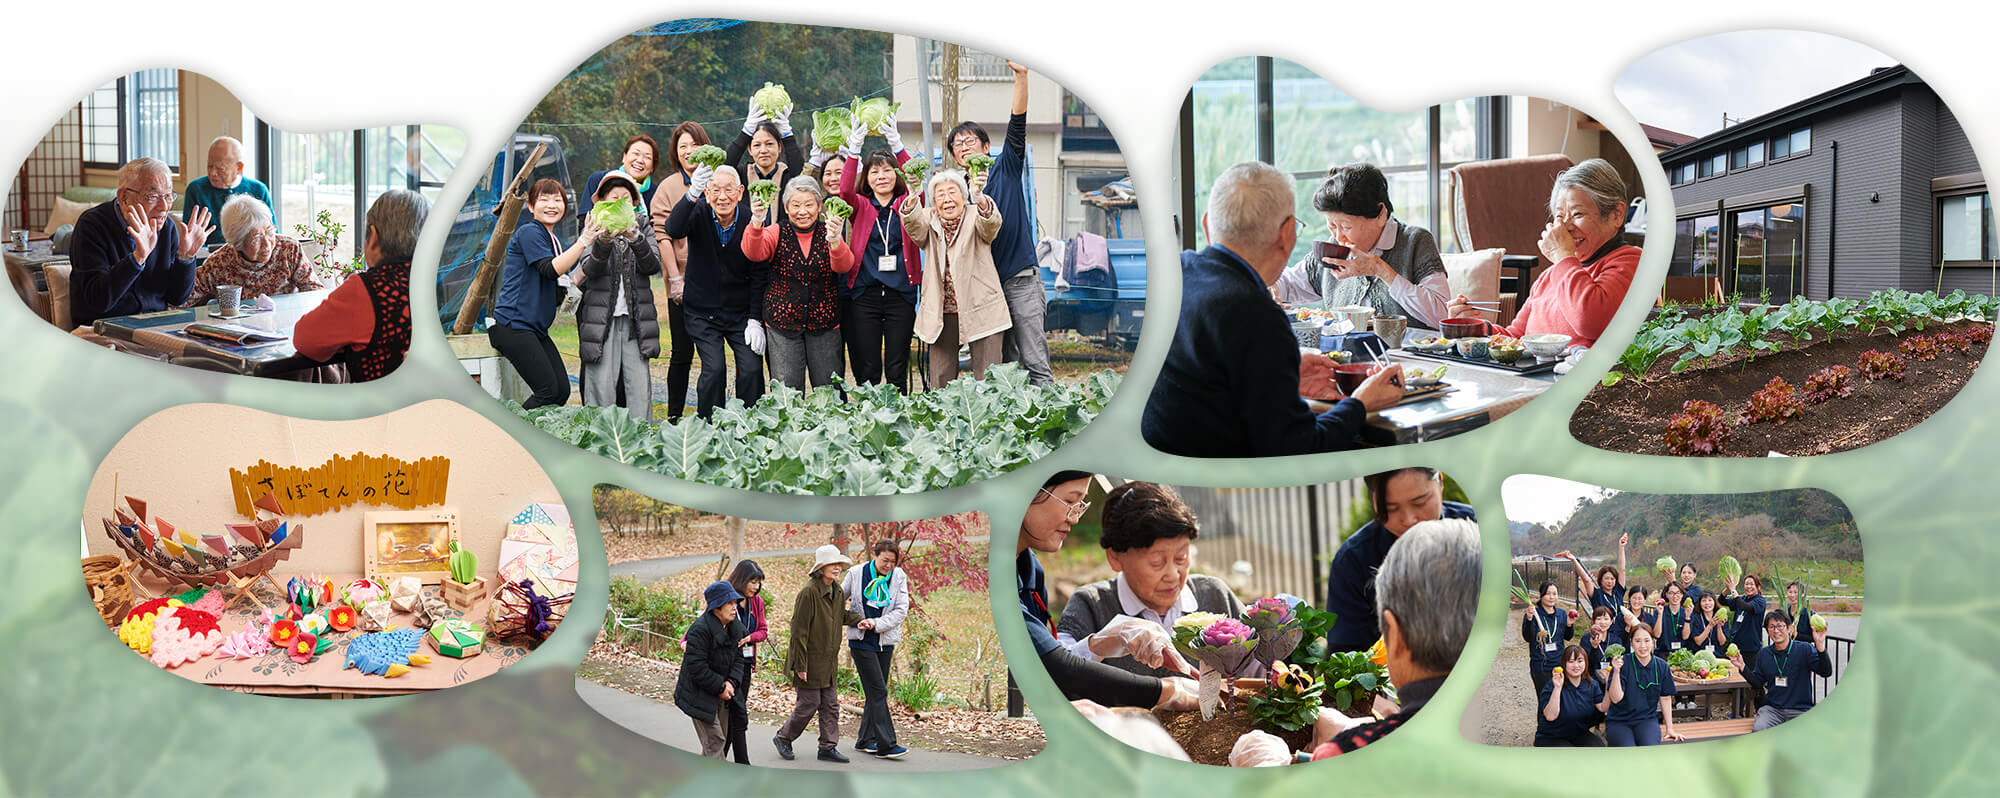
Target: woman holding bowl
(1392,266)
(1578,295)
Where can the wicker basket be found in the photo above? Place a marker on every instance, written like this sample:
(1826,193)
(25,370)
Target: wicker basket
(108,578)
(1687,677)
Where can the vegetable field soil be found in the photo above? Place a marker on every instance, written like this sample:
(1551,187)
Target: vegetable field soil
(1632,415)
(1209,741)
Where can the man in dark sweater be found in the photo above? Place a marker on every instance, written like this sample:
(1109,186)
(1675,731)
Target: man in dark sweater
(1784,671)
(724,290)
(1014,248)
(1231,382)
(130,255)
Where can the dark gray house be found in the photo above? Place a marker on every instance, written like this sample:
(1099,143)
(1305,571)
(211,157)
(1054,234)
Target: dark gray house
(1867,186)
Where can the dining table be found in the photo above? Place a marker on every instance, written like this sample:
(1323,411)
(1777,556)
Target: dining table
(164,333)
(1472,397)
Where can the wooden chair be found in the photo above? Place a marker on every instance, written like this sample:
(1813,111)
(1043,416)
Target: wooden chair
(1504,203)
(24,285)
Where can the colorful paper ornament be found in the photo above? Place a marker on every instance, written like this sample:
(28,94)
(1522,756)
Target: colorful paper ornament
(377,652)
(342,617)
(313,624)
(284,631)
(457,637)
(430,611)
(405,593)
(375,616)
(184,636)
(519,611)
(359,592)
(303,648)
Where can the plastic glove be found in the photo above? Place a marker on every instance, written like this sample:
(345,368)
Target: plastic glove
(1259,749)
(1331,723)
(855,139)
(1179,693)
(698,180)
(895,139)
(753,334)
(753,119)
(1140,639)
(784,121)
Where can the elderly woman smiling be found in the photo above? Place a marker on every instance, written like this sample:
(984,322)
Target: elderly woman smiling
(1149,540)
(1580,293)
(961,300)
(255,256)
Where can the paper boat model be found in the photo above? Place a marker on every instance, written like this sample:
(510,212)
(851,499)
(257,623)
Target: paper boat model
(245,551)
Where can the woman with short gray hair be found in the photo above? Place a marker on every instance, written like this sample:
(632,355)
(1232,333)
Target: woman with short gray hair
(802,299)
(1579,294)
(254,256)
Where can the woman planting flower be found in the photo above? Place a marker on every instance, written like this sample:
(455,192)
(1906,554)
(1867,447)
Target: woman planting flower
(962,302)
(1545,627)
(529,294)
(1148,541)
(1572,701)
(880,311)
(802,300)
(687,137)
(1640,695)
(617,325)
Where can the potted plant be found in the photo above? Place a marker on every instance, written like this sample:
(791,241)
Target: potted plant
(464,588)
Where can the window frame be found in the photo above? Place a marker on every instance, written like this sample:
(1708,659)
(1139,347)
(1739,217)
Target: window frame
(1986,232)
(123,94)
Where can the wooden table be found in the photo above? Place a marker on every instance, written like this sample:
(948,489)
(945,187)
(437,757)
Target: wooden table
(1480,395)
(327,676)
(38,254)
(1737,690)
(162,332)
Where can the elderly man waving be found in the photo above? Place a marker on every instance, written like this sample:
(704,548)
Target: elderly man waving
(130,255)
(1231,383)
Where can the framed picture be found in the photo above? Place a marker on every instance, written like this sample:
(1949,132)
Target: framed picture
(409,543)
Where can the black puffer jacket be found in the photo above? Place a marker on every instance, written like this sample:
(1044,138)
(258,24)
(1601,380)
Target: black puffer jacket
(709,662)
(608,262)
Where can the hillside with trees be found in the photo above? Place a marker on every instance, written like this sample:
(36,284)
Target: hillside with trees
(1790,524)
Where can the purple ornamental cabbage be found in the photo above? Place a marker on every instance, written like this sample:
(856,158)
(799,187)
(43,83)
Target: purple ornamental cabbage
(1226,632)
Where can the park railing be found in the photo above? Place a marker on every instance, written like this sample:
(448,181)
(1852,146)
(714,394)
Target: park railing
(1839,649)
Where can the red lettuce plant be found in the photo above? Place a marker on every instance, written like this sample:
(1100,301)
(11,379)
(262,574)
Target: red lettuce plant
(1776,402)
(1828,383)
(1956,342)
(1979,333)
(1920,347)
(1878,365)
(1699,429)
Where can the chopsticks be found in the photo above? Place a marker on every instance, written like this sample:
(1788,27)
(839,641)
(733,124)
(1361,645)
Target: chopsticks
(1483,305)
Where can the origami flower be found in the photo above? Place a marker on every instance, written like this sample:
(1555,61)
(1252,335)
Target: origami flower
(341,618)
(284,631)
(359,592)
(313,624)
(303,648)
(246,644)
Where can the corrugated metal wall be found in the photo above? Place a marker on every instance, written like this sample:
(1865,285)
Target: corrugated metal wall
(1273,540)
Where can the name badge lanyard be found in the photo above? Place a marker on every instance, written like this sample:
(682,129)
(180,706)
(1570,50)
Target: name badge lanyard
(882,228)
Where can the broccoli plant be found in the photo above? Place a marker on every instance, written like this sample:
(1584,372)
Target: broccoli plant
(1777,402)
(1828,383)
(1699,429)
(1879,365)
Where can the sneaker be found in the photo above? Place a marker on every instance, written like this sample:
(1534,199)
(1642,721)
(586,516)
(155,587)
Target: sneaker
(832,755)
(892,752)
(867,748)
(784,748)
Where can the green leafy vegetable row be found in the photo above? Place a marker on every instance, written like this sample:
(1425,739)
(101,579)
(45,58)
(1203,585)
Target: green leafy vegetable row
(1760,328)
(878,442)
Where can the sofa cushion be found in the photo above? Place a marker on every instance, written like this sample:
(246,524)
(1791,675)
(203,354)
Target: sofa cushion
(64,213)
(1475,274)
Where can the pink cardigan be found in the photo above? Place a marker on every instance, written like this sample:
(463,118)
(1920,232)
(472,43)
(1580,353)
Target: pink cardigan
(864,222)
(1577,300)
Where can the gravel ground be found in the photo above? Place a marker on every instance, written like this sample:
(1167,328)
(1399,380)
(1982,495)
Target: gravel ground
(1503,711)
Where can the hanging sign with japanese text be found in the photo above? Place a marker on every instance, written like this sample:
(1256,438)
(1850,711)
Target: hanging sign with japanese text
(376,481)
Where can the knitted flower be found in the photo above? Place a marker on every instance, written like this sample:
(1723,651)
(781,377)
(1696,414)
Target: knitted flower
(136,631)
(1227,631)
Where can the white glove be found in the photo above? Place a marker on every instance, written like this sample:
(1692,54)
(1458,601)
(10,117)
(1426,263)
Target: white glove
(698,180)
(1259,749)
(818,157)
(895,138)
(855,139)
(784,121)
(753,334)
(753,119)
(1140,639)
(1179,693)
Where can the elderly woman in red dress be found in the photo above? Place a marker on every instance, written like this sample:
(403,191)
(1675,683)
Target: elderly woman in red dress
(254,256)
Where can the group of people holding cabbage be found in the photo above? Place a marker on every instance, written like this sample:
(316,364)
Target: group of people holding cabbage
(1620,672)
(793,261)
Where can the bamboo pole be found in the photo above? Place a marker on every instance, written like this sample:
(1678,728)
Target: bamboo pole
(496,246)
(948,93)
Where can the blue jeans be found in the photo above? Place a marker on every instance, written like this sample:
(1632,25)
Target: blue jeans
(1625,735)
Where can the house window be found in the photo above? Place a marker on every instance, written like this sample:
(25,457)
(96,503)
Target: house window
(1796,142)
(1715,165)
(1697,247)
(1769,257)
(343,171)
(1684,173)
(1965,228)
(136,116)
(1754,153)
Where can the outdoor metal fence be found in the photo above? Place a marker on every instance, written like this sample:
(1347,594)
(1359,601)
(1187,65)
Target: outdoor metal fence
(1274,540)
(1840,649)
